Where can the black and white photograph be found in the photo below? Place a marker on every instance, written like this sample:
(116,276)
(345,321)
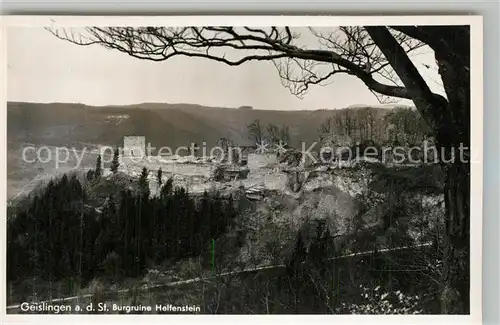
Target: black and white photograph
(295,165)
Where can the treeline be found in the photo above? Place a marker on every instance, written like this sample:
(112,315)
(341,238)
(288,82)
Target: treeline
(345,127)
(399,126)
(270,133)
(58,235)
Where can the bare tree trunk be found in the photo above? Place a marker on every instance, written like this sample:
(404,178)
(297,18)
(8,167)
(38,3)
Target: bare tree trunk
(455,296)
(454,70)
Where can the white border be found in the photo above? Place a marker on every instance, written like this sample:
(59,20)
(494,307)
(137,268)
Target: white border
(293,21)
(476,23)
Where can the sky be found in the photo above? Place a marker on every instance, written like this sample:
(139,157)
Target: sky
(43,68)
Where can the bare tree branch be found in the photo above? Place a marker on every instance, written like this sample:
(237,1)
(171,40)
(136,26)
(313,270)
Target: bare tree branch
(347,50)
(425,100)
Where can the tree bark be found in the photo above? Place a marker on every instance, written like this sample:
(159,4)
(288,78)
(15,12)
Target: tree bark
(454,67)
(456,263)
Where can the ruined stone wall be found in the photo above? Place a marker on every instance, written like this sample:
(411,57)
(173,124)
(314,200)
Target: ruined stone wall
(135,165)
(261,160)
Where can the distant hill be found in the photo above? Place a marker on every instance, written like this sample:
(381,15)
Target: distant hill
(66,124)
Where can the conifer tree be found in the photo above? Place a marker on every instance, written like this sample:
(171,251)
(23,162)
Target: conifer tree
(143,182)
(167,188)
(159,176)
(115,163)
(98,167)
(90,175)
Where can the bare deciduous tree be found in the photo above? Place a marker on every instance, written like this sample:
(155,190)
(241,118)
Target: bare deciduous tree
(346,118)
(378,56)
(255,131)
(285,134)
(273,132)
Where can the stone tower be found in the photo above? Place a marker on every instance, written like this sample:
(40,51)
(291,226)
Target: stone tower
(134,146)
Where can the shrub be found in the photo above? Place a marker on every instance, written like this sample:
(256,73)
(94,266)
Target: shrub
(378,302)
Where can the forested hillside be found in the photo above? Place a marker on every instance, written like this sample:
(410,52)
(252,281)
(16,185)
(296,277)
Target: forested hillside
(61,124)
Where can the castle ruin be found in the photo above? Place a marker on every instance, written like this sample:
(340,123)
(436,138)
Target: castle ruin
(134,146)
